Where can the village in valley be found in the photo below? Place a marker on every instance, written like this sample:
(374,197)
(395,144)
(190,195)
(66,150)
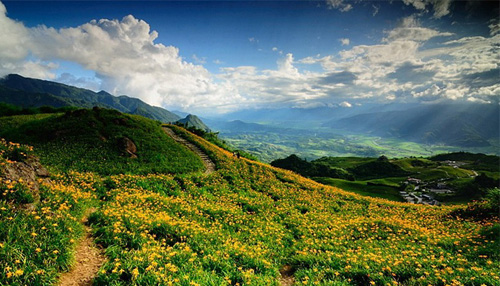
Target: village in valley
(418,191)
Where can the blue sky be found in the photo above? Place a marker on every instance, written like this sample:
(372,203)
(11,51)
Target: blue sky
(218,56)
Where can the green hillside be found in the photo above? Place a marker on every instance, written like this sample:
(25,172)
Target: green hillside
(95,140)
(246,223)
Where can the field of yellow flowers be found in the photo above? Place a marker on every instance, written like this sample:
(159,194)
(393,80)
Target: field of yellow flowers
(242,225)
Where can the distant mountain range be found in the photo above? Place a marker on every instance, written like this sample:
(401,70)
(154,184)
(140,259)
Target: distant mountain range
(464,125)
(452,124)
(29,92)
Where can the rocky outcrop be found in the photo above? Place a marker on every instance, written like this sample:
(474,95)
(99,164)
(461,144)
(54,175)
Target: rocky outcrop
(128,146)
(27,171)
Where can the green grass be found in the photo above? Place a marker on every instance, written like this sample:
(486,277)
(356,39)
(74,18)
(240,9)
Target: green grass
(241,225)
(344,162)
(39,226)
(91,141)
(389,192)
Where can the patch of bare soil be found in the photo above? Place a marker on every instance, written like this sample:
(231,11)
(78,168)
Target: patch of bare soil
(88,260)
(287,278)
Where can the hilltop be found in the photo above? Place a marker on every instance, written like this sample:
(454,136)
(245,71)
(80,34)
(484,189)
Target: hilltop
(100,140)
(246,223)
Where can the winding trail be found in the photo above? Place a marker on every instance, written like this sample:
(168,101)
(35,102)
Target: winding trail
(88,260)
(209,164)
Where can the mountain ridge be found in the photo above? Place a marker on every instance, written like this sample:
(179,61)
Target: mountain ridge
(470,125)
(29,92)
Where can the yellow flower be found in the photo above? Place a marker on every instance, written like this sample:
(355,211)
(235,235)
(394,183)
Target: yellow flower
(18,272)
(135,273)
(38,249)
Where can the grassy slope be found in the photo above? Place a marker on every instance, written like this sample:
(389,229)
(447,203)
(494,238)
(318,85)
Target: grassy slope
(246,221)
(361,187)
(91,142)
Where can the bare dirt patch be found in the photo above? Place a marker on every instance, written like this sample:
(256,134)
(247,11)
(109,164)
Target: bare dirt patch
(88,260)
(287,278)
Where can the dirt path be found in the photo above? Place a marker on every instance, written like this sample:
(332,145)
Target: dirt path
(209,164)
(287,278)
(88,260)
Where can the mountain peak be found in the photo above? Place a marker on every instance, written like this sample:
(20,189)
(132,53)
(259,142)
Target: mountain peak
(192,120)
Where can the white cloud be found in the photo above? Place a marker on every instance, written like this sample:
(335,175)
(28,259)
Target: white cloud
(478,100)
(410,29)
(275,49)
(127,60)
(199,60)
(375,10)
(441,7)
(344,41)
(15,48)
(345,104)
(339,4)
(494,27)
(83,82)
(285,66)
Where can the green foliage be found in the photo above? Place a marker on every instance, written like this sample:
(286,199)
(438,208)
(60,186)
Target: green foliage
(13,151)
(372,189)
(9,109)
(311,169)
(93,140)
(473,161)
(493,199)
(378,169)
(484,209)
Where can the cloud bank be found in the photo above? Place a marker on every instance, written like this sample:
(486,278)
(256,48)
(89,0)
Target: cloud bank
(127,60)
